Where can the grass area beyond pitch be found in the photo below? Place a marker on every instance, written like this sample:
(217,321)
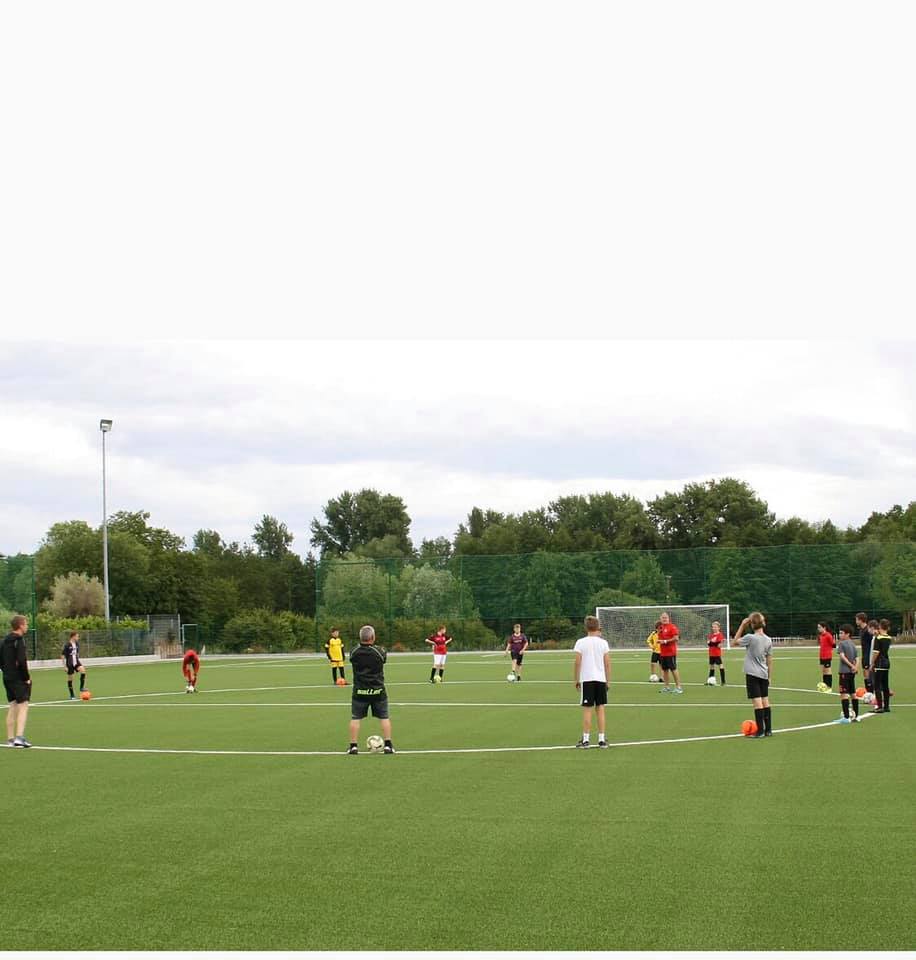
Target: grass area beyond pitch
(471,838)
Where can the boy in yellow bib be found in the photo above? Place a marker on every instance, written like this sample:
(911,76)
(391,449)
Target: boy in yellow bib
(335,653)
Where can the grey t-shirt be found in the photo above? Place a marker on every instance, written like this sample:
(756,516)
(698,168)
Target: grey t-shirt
(755,660)
(849,648)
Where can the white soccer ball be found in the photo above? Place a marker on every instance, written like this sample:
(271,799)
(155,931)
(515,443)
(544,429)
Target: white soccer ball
(375,743)
(868,698)
(511,678)
(189,689)
(653,678)
(710,681)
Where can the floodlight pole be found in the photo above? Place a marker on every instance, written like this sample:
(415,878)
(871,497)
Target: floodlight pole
(105,427)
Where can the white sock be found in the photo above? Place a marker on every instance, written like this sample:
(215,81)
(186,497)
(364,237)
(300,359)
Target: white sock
(585,738)
(600,738)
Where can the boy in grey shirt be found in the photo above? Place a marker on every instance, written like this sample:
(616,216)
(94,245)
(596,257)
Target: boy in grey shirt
(849,666)
(758,663)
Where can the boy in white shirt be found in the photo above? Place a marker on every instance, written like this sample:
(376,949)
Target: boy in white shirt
(592,676)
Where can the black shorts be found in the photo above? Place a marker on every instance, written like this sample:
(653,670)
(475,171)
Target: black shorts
(827,662)
(756,686)
(17,690)
(360,707)
(515,656)
(847,683)
(656,656)
(715,661)
(594,693)
(72,668)
(668,663)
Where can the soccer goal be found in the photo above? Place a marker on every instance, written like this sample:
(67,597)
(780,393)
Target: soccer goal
(629,626)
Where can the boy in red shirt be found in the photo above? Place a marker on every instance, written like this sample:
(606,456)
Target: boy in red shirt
(826,643)
(190,667)
(667,638)
(439,641)
(714,643)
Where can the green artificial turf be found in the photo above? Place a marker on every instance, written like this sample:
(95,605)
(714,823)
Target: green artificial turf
(711,844)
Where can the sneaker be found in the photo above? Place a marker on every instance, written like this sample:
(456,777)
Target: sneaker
(759,735)
(388,749)
(856,719)
(582,745)
(768,733)
(665,690)
(9,742)
(678,690)
(602,743)
(72,696)
(352,751)
(844,720)
(21,742)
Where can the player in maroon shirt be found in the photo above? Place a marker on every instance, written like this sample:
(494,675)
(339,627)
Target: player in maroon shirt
(516,646)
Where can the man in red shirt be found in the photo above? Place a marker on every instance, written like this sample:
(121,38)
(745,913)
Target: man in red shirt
(714,643)
(190,667)
(826,643)
(667,637)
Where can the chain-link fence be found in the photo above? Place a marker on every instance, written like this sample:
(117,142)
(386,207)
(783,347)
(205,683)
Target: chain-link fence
(481,597)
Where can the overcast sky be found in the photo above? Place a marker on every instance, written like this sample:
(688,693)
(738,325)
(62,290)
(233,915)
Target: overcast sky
(214,435)
(463,199)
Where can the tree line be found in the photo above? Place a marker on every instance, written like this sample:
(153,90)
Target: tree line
(540,561)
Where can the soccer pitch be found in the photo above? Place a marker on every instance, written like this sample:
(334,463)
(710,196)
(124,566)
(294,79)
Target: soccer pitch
(150,819)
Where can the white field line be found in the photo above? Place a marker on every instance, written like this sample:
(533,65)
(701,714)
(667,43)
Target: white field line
(199,705)
(456,750)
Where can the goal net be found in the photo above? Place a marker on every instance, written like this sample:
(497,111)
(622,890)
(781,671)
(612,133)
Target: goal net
(629,626)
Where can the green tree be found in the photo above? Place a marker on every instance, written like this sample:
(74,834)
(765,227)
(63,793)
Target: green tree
(272,538)
(647,579)
(354,588)
(76,595)
(352,520)
(715,512)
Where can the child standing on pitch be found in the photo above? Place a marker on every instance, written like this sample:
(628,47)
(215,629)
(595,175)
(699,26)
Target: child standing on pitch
(865,638)
(881,667)
(826,643)
(714,643)
(71,657)
(592,675)
(516,646)
(654,646)
(849,667)
(758,665)
(334,651)
(439,642)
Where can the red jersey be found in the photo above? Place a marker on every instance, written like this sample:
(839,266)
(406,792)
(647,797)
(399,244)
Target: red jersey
(714,642)
(439,642)
(667,635)
(827,644)
(191,659)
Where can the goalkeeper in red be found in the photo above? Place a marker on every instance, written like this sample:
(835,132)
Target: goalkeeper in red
(190,667)
(714,643)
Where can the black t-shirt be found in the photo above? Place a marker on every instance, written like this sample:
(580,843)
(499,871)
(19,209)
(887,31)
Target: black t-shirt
(13,660)
(368,663)
(883,648)
(865,635)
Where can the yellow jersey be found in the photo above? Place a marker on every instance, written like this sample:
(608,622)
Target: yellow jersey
(653,642)
(334,647)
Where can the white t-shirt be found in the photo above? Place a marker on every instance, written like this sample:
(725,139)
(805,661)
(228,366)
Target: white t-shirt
(593,650)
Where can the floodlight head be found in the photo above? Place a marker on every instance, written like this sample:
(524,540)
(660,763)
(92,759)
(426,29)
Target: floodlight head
(104,425)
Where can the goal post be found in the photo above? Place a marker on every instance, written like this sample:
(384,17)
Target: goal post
(630,626)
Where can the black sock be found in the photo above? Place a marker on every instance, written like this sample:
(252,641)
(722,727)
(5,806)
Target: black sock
(70,687)
(432,673)
(82,682)
(441,673)
(334,674)
(387,743)
(758,716)
(722,674)
(855,705)
(712,671)
(343,676)
(829,681)
(767,720)
(846,709)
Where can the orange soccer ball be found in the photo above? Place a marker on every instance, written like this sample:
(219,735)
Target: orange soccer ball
(749,728)
(85,695)
(341,682)
(860,692)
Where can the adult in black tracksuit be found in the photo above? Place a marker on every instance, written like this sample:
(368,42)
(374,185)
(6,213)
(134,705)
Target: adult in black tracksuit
(369,692)
(17,681)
